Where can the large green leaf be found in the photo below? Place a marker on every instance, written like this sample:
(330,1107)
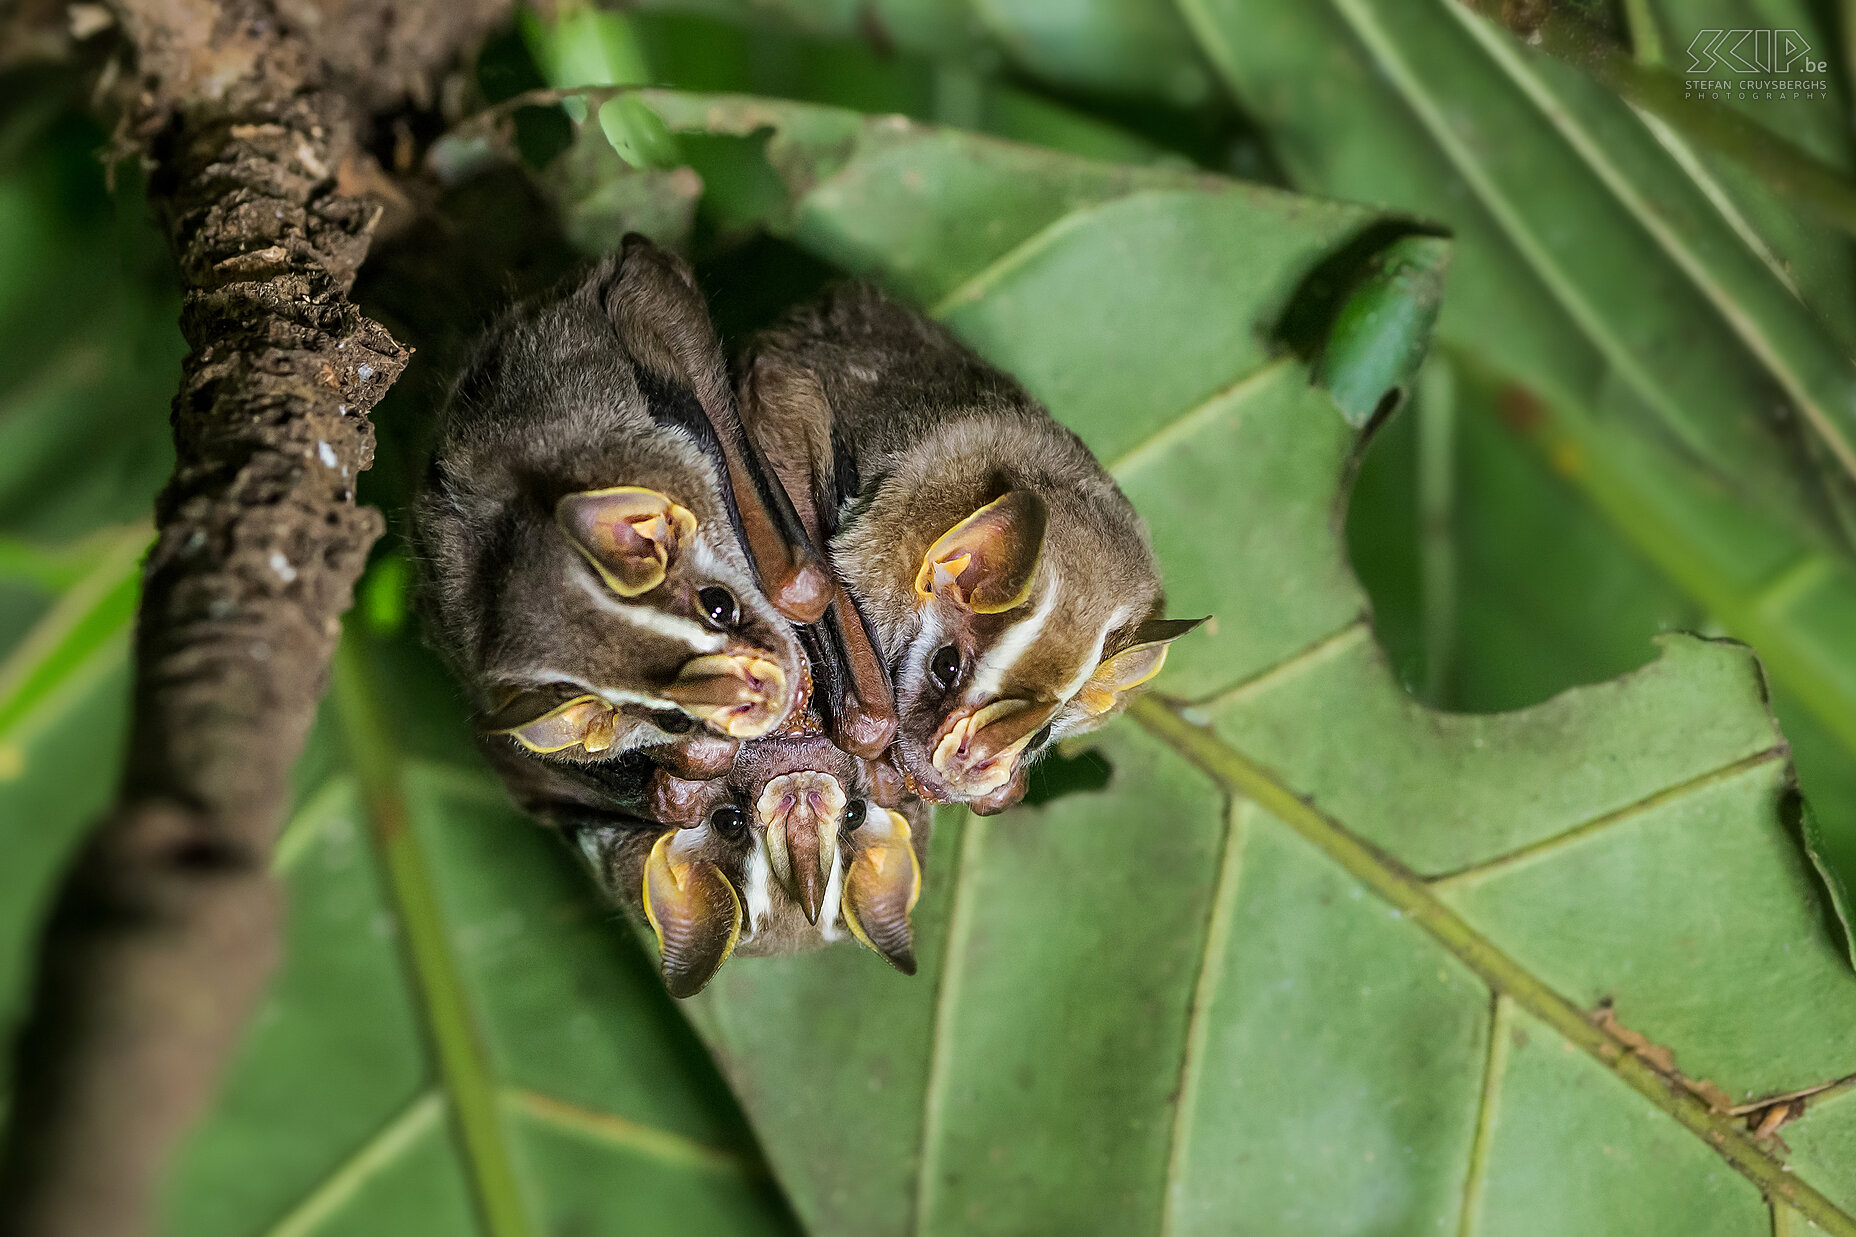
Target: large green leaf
(1555,189)
(1138,1009)
(1495,584)
(1318,959)
(1605,266)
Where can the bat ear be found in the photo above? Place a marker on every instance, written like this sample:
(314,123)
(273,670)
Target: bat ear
(882,887)
(694,911)
(1134,665)
(631,535)
(985,562)
(541,725)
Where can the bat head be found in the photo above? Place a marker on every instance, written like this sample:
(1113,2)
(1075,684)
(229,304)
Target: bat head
(788,852)
(581,556)
(1015,597)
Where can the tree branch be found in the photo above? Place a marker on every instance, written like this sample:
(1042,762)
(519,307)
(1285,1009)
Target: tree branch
(168,925)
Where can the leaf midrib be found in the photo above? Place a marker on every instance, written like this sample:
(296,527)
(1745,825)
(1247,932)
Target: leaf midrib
(1395,884)
(463,1065)
(946,1003)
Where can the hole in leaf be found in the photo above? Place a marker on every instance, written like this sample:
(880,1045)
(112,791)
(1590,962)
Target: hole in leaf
(1494,584)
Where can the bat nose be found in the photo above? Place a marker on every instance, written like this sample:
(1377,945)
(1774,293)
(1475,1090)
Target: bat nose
(798,814)
(977,752)
(741,695)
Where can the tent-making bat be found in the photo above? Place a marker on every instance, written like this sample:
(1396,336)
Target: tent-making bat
(583,561)
(1008,583)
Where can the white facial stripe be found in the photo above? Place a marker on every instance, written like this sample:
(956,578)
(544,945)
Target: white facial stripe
(617,697)
(546,676)
(1115,623)
(687,632)
(589,848)
(713,566)
(758,893)
(1019,637)
(834,891)
(705,560)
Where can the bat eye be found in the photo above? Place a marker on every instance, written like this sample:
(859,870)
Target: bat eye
(854,813)
(945,666)
(729,821)
(718,606)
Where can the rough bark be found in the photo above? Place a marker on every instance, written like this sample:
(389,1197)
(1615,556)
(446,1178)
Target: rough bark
(168,924)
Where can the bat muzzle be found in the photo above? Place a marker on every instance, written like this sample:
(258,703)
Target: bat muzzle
(798,814)
(741,695)
(977,752)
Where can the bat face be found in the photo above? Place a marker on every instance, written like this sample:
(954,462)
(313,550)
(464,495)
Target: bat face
(624,620)
(583,559)
(1032,617)
(788,852)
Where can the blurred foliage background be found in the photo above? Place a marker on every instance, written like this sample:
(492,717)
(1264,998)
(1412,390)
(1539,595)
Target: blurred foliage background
(1613,438)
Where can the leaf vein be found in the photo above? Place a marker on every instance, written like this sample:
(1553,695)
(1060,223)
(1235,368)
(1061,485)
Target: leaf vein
(1334,643)
(463,1066)
(375,1156)
(1616,816)
(1494,1070)
(1412,896)
(610,1129)
(1205,987)
(946,1002)
(1233,395)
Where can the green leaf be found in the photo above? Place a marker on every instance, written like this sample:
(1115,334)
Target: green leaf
(1588,254)
(461,1039)
(1128,47)
(1383,330)
(583,46)
(1318,959)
